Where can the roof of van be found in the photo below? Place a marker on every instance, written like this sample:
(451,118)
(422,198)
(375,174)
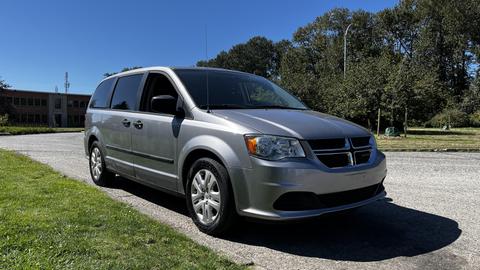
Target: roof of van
(161,68)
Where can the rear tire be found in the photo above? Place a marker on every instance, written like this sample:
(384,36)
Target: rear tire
(101,176)
(209,197)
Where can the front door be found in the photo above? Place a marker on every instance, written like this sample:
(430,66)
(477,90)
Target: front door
(154,142)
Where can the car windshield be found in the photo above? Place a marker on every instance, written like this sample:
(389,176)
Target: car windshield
(235,90)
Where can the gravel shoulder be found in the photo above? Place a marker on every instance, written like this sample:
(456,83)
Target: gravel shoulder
(430,221)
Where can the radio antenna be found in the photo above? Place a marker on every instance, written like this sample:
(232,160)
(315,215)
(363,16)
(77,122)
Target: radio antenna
(206,71)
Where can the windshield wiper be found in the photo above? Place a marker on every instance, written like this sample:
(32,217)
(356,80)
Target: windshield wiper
(226,106)
(278,107)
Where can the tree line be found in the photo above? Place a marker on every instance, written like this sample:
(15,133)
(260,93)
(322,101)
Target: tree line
(415,61)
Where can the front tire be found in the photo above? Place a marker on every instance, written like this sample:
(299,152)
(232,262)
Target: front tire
(98,169)
(209,197)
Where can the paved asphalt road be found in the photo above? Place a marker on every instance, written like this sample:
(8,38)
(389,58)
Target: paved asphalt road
(431,220)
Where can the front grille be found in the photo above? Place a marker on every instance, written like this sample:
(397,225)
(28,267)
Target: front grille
(342,152)
(298,201)
(336,160)
(325,144)
(359,142)
(362,157)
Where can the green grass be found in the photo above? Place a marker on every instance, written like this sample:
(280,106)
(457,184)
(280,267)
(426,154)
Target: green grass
(426,139)
(17,130)
(48,221)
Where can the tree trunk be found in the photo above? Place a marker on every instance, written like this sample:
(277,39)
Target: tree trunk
(378,123)
(405,125)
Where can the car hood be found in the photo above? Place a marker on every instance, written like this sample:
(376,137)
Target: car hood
(302,124)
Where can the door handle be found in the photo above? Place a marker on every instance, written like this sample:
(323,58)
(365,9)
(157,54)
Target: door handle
(138,124)
(126,123)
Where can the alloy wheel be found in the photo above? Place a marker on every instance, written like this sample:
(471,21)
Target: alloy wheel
(96,163)
(205,196)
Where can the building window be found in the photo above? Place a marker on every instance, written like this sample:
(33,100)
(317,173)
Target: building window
(37,102)
(31,118)
(24,118)
(9,100)
(44,118)
(23,102)
(44,102)
(30,102)
(16,101)
(75,103)
(70,104)
(58,103)
(82,104)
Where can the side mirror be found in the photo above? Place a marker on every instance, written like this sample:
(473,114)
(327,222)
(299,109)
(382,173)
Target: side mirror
(165,104)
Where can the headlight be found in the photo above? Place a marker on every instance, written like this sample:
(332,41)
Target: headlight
(273,147)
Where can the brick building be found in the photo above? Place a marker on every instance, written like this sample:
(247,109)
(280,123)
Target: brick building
(46,109)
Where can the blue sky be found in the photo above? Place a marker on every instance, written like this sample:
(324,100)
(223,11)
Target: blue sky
(40,40)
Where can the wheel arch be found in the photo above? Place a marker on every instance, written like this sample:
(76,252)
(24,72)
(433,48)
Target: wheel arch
(191,158)
(204,146)
(91,139)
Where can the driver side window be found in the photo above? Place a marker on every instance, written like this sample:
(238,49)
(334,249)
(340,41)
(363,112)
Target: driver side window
(157,85)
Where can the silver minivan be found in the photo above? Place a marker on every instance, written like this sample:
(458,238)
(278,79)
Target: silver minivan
(232,143)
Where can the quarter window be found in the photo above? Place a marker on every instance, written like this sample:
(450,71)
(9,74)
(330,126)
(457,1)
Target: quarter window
(125,94)
(102,94)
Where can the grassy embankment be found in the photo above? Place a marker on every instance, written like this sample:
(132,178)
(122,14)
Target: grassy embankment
(48,221)
(430,139)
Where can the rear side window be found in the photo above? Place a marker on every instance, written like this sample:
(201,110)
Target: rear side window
(125,94)
(100,97)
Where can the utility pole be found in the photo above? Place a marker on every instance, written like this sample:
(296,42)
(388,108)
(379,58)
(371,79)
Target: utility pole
(67,83)
(345,51)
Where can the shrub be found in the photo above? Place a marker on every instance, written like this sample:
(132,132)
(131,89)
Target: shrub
(475,119)
(3,120)
(456,117)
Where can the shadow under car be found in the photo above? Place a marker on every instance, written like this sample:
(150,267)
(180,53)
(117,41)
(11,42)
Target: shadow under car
(378,231)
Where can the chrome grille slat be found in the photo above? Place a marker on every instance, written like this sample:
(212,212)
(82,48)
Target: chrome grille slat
(353,153)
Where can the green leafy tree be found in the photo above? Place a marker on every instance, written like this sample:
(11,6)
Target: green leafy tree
(258,55)
(471,99)
(417,57)
(313,67)
(5,108)
(364,90)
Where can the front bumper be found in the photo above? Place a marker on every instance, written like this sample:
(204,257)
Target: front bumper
(257,189)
